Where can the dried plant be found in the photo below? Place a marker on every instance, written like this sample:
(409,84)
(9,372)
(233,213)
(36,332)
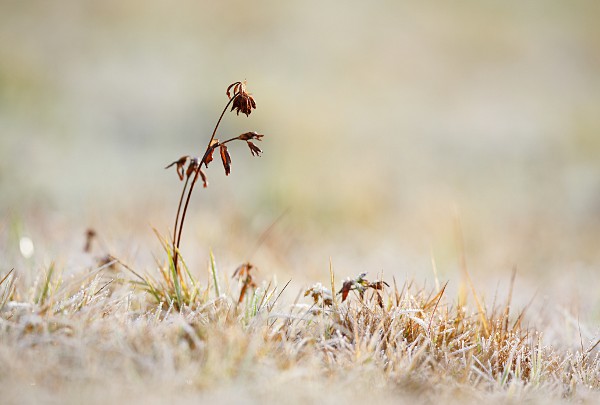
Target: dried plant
(361,284)
(320,295)
(243,274)
(189,169)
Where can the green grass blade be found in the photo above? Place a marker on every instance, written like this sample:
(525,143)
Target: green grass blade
(46,287)
(8,290)
(214,271)
(176,281)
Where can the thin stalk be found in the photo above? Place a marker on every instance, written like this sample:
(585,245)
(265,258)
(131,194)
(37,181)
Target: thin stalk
(179,209)
(177,240)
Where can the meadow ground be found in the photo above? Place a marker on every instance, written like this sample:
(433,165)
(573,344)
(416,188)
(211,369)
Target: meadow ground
(108,333)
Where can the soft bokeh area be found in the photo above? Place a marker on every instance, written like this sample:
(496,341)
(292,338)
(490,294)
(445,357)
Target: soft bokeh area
(387,123)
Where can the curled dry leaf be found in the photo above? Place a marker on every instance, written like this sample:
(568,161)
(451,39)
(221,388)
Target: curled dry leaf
(180,163)
(192,167)
(236,88)
(255,150)
(346,287)
(225,158)
(203,176)
(209,152)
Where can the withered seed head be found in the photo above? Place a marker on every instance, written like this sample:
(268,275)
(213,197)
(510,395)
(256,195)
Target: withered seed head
(243,101)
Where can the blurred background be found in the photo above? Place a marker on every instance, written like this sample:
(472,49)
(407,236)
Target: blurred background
(386,123)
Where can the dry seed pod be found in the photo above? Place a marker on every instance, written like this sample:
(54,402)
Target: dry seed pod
(255,150)
(225,158)
(250,135)
(180,163)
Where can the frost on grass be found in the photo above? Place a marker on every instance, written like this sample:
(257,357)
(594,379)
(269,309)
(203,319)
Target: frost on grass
(400,342)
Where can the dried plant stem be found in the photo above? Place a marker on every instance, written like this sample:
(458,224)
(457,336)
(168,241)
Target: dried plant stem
(179,210)
(177,233)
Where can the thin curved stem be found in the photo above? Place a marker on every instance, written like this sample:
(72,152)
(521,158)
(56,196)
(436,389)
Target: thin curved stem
(179,208)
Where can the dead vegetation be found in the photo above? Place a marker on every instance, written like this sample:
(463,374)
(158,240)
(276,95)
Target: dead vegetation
(407,337)
(240,101)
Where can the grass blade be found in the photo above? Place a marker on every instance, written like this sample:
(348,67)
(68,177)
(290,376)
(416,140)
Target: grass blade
(214,271)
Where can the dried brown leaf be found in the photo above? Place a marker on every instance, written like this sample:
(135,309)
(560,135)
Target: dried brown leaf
(225,158)
(236,87)
(203,176)
(209,154)
(346,287)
